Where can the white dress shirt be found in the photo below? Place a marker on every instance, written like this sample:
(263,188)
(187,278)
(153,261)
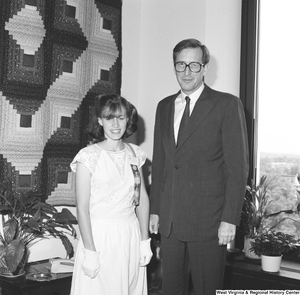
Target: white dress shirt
(180,103)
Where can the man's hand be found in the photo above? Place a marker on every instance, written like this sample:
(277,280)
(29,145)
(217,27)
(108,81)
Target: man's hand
(226,232)
(154,224)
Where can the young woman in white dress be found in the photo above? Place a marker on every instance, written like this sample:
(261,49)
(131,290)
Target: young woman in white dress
(112,206)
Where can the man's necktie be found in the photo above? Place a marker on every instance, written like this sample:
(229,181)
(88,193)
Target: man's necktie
(184,119)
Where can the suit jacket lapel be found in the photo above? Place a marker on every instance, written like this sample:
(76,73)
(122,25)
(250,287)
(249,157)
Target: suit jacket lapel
(202,107)
(169,113)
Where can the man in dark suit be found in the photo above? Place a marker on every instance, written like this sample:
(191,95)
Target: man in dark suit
(198,176)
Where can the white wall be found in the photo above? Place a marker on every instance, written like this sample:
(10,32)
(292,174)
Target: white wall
(151,29)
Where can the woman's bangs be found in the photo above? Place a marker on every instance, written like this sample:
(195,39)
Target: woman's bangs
(113,110)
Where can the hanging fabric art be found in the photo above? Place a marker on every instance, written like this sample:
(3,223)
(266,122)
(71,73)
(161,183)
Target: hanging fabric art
(55,56)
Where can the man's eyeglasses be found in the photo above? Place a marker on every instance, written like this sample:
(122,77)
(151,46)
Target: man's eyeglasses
(194,67)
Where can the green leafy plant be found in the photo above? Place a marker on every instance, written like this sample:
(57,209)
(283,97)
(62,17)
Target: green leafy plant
(255,203)
(256,208)
(272,243)
(25,219)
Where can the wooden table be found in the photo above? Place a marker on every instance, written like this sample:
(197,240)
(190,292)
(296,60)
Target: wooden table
(58,284)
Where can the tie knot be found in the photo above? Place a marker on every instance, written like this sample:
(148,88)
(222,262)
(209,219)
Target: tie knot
(187,99)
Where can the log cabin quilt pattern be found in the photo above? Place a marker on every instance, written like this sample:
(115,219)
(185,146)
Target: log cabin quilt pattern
(55,56)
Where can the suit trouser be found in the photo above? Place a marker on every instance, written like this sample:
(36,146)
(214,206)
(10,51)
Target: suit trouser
(205,260)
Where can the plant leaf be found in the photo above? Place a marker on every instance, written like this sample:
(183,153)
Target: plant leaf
(10,229)
(65,216)
(33,224)
(68,246)
(44,207)
(3,266)
(14,254)
(33,218)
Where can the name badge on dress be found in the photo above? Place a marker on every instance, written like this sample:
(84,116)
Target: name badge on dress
(133,161)
(137,184)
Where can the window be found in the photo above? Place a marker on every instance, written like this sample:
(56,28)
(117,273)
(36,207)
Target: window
(278,105)
(269,92)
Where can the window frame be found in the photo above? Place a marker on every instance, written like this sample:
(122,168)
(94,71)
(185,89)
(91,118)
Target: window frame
(248,75)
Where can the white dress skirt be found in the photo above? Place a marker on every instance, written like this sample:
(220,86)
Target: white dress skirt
(115,227)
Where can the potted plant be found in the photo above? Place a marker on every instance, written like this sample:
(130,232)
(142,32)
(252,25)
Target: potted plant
(272,244)
(26,218)
(255,203)
(257,214)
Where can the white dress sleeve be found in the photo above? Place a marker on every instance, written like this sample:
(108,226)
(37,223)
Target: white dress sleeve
(140,155)
(88,156)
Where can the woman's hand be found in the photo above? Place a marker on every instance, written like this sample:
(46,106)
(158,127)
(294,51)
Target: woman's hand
(146,253)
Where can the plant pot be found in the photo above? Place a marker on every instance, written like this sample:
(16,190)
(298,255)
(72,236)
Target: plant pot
(247,246)
(271,263)
(13,278)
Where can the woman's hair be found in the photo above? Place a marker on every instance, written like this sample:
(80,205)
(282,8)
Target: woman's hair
(191,43)
(106,106)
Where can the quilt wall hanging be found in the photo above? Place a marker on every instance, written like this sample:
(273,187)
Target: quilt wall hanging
(55,56)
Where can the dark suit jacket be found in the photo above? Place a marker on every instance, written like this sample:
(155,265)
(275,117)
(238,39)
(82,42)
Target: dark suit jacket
(202,181)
